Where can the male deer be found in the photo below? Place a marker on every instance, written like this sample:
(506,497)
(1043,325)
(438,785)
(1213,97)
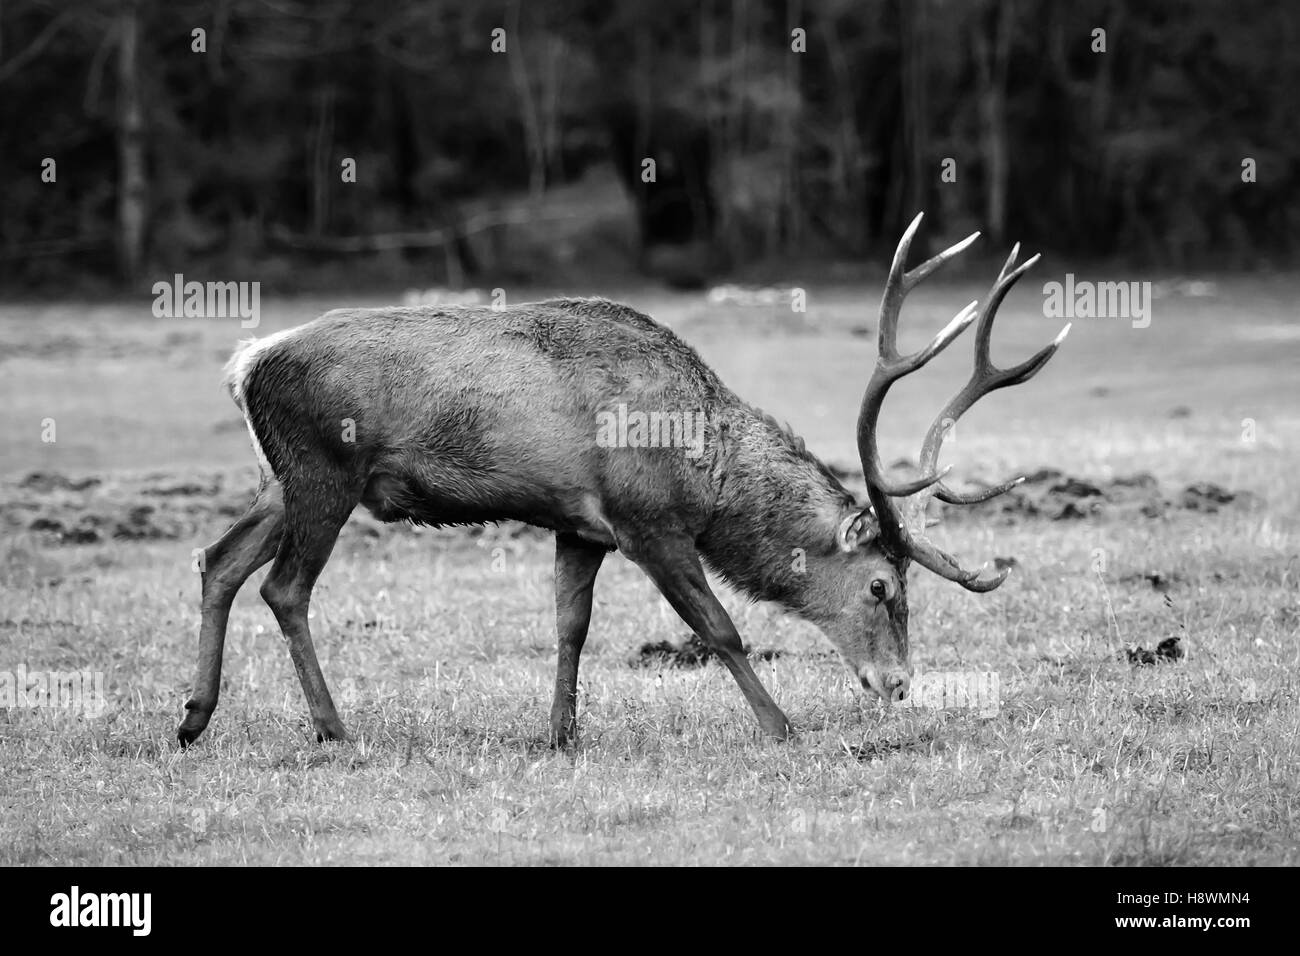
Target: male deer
(466,415)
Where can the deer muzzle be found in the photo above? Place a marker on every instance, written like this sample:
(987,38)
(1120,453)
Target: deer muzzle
(892,684)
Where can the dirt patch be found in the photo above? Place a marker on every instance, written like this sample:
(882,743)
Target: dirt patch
(1050,494)
(1168,651)
(44,482)
(92,509)
(163,506)
(1161,581)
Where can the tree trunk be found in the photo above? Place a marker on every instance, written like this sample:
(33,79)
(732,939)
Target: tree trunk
(915,110)
(527,105)
(322,173)
(992,55)
(791,221)
(132,190)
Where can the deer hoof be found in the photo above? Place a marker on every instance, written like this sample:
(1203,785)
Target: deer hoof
(330,728)
(779,729)
(191,727)
(563,740)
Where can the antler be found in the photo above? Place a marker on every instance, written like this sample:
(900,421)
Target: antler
(903,529)
(890,366)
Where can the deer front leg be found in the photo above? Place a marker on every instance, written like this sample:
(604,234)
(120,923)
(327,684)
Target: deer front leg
(674,566)
(576,564)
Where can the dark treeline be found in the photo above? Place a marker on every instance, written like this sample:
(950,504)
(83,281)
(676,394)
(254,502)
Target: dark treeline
(776,127)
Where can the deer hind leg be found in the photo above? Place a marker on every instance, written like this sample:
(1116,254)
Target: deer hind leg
(227,564)
(313,518)
(673,564)
(576,564)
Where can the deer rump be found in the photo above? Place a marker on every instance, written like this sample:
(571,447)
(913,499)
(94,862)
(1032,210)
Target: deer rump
(468,415)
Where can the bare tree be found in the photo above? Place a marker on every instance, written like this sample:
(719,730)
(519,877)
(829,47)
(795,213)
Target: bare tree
(991,36)
(132,188)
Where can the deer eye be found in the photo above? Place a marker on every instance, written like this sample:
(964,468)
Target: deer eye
(878,589)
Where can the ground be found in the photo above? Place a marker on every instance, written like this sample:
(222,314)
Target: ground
(440,645)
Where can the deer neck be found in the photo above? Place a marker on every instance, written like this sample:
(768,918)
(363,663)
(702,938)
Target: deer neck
(776,518)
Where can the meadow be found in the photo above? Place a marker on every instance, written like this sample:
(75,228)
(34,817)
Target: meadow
(439,645)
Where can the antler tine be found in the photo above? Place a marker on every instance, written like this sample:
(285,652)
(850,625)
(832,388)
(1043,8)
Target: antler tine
(891,302)
(901,281)
(924,553)
(943,493)
(1007,277)
(930,265)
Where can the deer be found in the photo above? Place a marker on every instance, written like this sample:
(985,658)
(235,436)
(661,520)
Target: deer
(465,415)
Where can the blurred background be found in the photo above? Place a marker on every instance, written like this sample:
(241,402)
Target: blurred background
(506,142)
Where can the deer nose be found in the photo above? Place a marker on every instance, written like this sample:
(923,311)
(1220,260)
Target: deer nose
(897,684)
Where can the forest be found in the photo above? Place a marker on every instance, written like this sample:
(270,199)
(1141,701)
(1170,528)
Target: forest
(683,138)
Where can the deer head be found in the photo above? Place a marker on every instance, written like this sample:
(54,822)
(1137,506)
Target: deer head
(883,538)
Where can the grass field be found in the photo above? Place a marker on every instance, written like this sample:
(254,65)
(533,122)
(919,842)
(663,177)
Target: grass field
(439,645)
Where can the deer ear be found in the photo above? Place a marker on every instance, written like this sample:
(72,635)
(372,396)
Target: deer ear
(855,530)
